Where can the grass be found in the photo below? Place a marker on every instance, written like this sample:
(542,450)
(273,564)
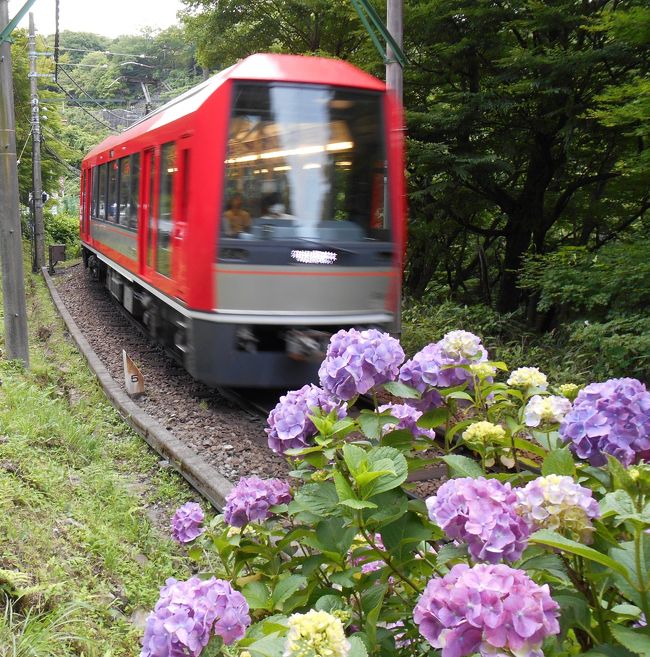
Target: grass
(83,507)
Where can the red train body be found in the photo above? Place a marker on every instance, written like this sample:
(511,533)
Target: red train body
(253,215)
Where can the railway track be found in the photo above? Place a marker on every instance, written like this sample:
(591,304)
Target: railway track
(223,427)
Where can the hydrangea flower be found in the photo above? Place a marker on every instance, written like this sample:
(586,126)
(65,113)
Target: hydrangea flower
(289,423)
(186,522)
(251,499)
(460,345)
(481,512)
(433,366)
(545,410)
(188,613)
(483,370)
(494,610)
(315,634)
(557,502)
(610,418)
(569,390)
(357,361)
(528,377)
(408,416)
(484,433)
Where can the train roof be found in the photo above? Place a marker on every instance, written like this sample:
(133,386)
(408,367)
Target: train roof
(259,67)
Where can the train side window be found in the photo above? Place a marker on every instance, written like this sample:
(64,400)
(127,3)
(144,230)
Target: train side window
(125,186)
(95,194)
(168,167)
(134,192)
(101,192)
(113,188)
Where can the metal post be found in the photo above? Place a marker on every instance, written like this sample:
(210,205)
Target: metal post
(37,184)
(395,25)
(13,284)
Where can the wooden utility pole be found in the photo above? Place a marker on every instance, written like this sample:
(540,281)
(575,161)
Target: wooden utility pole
(11,253)
(37,181)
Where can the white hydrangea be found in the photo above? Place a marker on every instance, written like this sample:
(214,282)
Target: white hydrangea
(484,433)
(557,502)
(528,377)
(315,634)
(461,344)
(483,370)
(546,410)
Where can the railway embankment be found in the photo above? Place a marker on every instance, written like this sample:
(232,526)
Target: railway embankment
(84,504)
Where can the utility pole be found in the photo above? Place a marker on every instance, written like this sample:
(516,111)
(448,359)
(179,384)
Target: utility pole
(37,182)
(11,252)
(394,82)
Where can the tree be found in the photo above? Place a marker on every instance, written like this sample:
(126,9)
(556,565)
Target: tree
(227,30)
(506,155)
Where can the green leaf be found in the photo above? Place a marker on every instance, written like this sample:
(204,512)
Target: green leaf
(449,553)
(343,488)
(400,389)
(330,603)
(378,459)
(435,418)
(257,595)
(400,536)
(555,540)
(357,647)
(575,610)
(285,588)
(320,499)
(354,456)
(271,645)
(398,438)
(358,504)
(637,641)
(372,424)
(620,476)
(461,394)
(333,536)
(608,650)
(559,462)
(461,466)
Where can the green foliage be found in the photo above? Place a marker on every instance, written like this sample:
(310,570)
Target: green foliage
(351,490)
(63,229)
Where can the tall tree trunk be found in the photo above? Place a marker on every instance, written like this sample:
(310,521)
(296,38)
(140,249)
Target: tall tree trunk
(517,243)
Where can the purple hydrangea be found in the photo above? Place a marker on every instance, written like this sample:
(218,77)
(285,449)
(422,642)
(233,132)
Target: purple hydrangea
(610,418)
(360,559)
(290,426)
(357,361)
(481,512)
(494,610)
(251,499)
(186,522)
(189,613)
(408,416)
(433,366)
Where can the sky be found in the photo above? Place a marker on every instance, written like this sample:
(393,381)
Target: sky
(108,17)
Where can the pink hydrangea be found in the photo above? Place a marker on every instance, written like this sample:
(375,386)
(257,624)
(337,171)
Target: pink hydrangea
(251,499)
(481,513)
(189,613)
(494,610)
(186,522)
(357,361)
(408,416)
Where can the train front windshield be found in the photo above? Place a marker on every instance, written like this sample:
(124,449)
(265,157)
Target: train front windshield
(305,163)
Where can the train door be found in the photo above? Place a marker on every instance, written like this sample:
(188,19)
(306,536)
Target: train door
(146,241)
(180,213)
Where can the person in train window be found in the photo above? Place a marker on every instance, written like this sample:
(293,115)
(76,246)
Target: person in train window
(237,220)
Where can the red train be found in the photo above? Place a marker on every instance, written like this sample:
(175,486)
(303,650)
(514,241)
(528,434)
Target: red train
(251,217)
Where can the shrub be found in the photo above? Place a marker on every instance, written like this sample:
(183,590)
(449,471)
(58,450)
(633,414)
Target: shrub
(349,563)
(63,229)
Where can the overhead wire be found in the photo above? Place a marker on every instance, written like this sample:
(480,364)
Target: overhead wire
(103,108)
(20,157)
(82,108)
(108,52)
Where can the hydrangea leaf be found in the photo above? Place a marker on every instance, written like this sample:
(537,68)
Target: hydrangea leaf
(271,645)
(461,466)
(320,499)
(555,540)
(357,648)
(372,424)
(358,504)
(285,588)
(574,610)
(636,640)
(378,459)
(608,650)
(257,595)
(434,418)
(400,389)
(559,462)
(400,535)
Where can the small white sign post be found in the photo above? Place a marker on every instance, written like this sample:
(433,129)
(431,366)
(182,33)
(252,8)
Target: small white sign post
(133,379)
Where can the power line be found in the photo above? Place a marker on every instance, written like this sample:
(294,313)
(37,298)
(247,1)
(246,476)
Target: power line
(58,158)
(56,139)
(82,108)
(108,52)
(76,84)
(20,157)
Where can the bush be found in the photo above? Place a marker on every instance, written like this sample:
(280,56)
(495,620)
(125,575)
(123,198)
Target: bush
(63,229)
(499,561)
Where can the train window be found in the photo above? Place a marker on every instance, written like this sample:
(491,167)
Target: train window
(95,193)
(113,182)
(101,192)
(168,168)
(305,162)
(129,189)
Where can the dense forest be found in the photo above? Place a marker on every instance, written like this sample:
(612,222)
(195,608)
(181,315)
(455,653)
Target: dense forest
(528,126)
